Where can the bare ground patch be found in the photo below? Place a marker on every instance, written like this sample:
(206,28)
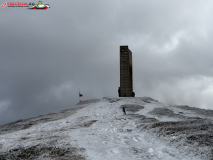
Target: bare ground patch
(84,124)
(164,112)
(132,107)
(43,151)
(204,112)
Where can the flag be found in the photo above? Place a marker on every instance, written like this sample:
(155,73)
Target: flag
(80,95)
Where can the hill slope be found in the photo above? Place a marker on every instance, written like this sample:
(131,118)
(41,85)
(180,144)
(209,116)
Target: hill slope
(97,129)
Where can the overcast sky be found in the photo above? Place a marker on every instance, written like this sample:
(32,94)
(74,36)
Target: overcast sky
(47,55)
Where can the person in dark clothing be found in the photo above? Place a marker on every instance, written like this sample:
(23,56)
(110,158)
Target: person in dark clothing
(124,111)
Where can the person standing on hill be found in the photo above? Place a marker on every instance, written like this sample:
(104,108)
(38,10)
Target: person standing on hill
(124,111)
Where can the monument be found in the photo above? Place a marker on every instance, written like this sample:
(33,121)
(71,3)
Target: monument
(126,82)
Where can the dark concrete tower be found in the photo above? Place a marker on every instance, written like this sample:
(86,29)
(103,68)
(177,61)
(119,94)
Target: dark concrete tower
(126,83)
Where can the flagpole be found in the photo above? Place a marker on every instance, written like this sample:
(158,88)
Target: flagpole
(79,95)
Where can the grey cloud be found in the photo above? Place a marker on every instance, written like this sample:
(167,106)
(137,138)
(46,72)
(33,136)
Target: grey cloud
(46,56)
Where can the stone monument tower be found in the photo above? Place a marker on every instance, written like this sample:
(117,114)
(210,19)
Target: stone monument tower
(126,82)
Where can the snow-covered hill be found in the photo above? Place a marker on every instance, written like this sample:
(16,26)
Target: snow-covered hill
(98,130)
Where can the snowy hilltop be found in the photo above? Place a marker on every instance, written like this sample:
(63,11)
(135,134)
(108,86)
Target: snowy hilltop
(97,129)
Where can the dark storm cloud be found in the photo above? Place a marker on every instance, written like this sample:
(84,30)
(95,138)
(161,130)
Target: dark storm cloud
(46,56)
